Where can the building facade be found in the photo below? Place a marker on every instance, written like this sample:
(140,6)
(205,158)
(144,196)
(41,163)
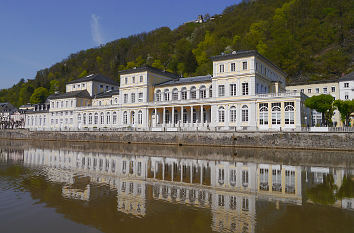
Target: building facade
(245,92)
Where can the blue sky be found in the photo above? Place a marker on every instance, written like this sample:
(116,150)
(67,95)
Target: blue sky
(38,33)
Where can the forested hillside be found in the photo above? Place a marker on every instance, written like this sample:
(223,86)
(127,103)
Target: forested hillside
(308,39)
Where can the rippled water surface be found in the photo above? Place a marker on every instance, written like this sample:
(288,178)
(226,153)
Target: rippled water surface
(63,187)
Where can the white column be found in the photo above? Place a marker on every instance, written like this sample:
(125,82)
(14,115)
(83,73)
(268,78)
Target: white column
(201,114)
(201,174)
(164,117)
(192,114)
(172,171)
(163,170)
(191,172)
(181,116)
(173,116)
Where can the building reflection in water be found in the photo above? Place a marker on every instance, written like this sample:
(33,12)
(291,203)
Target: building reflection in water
(228,189)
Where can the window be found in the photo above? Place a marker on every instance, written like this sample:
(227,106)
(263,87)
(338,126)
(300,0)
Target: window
(116,100)
(325,90)
(140,97)
(302,90)
(210,91)
(244,88)
(233,114)
(125,118)
(221,68)
(176,117)
(221,174)
(193,93)
(96,118)
(175,94)
(317,90)
(276,113)
(125,98)
(244,65)
(309,90)
(346,84)
(114,118)
(233,67)
(221,114)
(141,78)
(333,89)
(83,85)
(167,95)
(184,93)
(133,97)
(221,90)
(140,117)
(167,117)
(263,114)
(99,103)
(101,86)
(185,116)
(202,92)
(244,113)
(126,80)
(90,119)
(245,178)
(84,118)
(102,118)
(233,89)
(133,118)
(108,118)
(346,96)
(233,178)
(289,113)
(158,96)
(133,79)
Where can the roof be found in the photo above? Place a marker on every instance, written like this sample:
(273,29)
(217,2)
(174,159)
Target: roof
(150,69)
(312,82)
(95,77)
(245,53)
(72,94)
(196,79)
(107,94)
(347,77)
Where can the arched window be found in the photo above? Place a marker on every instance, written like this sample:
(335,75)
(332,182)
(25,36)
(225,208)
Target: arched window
(193,92)
(221,114)
(90,119)
(263,114)
(184,93)
(116,100)
(140,117)
(202,92)
(289,113)
(158,95)
(276,114)
(108,120)
(166,95)
(79,118)
(233,114)
(96,118)
(84,118)
(125,118)
(114,120)
(244,113)
(133,118)
(102,118)
(175,94)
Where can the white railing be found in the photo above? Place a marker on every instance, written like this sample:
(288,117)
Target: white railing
(279,94)
(327,129)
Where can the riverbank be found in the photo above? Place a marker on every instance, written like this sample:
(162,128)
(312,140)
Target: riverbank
(274,140)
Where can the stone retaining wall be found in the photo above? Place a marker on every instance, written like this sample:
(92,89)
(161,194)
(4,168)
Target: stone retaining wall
(318,141)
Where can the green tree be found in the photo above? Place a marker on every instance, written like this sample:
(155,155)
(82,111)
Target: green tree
(39,95)
(323,104)
(324,193)
(54,86)
(345,108)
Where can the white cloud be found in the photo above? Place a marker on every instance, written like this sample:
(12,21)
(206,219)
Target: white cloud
(96,30)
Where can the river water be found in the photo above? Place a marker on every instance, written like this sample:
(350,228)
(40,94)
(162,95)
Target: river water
(86,187)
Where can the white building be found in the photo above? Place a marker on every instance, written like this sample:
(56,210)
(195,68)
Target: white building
(245,92)
(346,87)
